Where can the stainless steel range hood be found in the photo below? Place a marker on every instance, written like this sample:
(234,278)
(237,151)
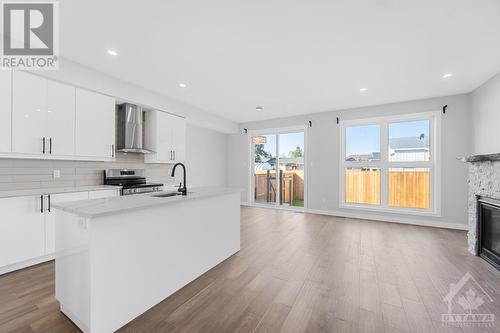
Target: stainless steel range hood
(130,129)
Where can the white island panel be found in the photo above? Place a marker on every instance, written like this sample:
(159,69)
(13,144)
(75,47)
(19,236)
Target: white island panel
(115,267)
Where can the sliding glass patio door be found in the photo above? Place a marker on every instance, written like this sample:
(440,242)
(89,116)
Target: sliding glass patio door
(278,171)
(264,172)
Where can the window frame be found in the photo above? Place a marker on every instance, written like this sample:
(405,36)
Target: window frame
(434,164)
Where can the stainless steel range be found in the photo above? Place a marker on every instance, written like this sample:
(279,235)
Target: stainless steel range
(133,181)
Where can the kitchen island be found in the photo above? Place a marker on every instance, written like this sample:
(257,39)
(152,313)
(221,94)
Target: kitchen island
(118,257)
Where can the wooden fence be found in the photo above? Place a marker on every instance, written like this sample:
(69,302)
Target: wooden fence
(292,186)
(362,187)
(410,189)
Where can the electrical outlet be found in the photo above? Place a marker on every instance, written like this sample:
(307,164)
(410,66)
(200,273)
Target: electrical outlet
(57,174)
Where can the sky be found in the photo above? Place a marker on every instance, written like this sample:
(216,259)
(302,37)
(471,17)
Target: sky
(288,142)
(365,139)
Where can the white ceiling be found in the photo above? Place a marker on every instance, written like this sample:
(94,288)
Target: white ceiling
(289,56)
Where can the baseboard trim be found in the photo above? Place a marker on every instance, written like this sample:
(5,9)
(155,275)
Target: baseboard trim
(287,208)
(391,219)
(24,264)
(380,218)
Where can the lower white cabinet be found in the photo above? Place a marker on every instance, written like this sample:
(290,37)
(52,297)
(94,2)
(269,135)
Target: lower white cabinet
(50,222)
(27,227)
(22,229)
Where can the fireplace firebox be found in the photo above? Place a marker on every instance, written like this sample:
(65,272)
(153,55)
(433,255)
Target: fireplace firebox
(489,230)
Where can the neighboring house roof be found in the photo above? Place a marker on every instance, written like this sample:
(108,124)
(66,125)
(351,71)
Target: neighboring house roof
(360,157)
(262,166)
(413,142)
(287,160)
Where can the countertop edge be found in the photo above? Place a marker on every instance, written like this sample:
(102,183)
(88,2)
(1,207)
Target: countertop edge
(55,190)
(68,207)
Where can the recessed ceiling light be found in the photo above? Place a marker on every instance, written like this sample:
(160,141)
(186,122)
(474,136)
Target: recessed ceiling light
(447,75)
(182,85)
(259,108)
(363,89)
(112,52)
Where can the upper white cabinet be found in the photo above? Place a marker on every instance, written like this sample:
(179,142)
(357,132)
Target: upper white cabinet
(29,114)
(43,116)
(166,137)
(178,138)
(60,119)
(95,125)
(52,120)
(5,111)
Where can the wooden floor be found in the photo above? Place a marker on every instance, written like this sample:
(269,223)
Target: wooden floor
(295,273)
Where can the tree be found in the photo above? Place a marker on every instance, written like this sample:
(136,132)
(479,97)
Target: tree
(260,154)
(297,152)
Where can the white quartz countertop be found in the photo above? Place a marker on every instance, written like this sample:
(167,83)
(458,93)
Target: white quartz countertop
(119,205)
(55,190)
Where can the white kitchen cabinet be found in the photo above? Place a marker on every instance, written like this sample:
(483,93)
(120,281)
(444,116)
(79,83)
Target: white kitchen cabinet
(95,125)
(50,241)
(29,113)
(5,111)
(60,119)
(43,121)
(166,137)
(179,138)
(158,137)
(22,229)
(27,226)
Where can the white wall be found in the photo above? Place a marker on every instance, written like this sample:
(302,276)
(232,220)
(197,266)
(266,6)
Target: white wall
(238,163)
(486,117)
(84,77)
(323,156)
(206,153)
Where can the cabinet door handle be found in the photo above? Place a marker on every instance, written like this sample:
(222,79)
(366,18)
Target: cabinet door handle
(112,150)
(41,204)
(50,146)
(174,155)
(49,202)
(171,155)
(43,145)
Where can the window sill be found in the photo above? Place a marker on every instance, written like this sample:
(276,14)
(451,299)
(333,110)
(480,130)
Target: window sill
(401,211)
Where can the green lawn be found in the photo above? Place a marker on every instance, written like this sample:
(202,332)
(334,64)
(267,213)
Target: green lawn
(298,202)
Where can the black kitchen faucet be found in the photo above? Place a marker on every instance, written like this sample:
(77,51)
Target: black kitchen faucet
(183,188)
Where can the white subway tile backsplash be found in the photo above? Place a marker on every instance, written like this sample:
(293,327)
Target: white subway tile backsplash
(25,173)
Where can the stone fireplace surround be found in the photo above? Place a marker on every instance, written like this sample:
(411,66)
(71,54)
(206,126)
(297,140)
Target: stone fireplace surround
(484,181)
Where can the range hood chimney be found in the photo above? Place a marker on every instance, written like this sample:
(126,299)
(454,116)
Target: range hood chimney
(130,129)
